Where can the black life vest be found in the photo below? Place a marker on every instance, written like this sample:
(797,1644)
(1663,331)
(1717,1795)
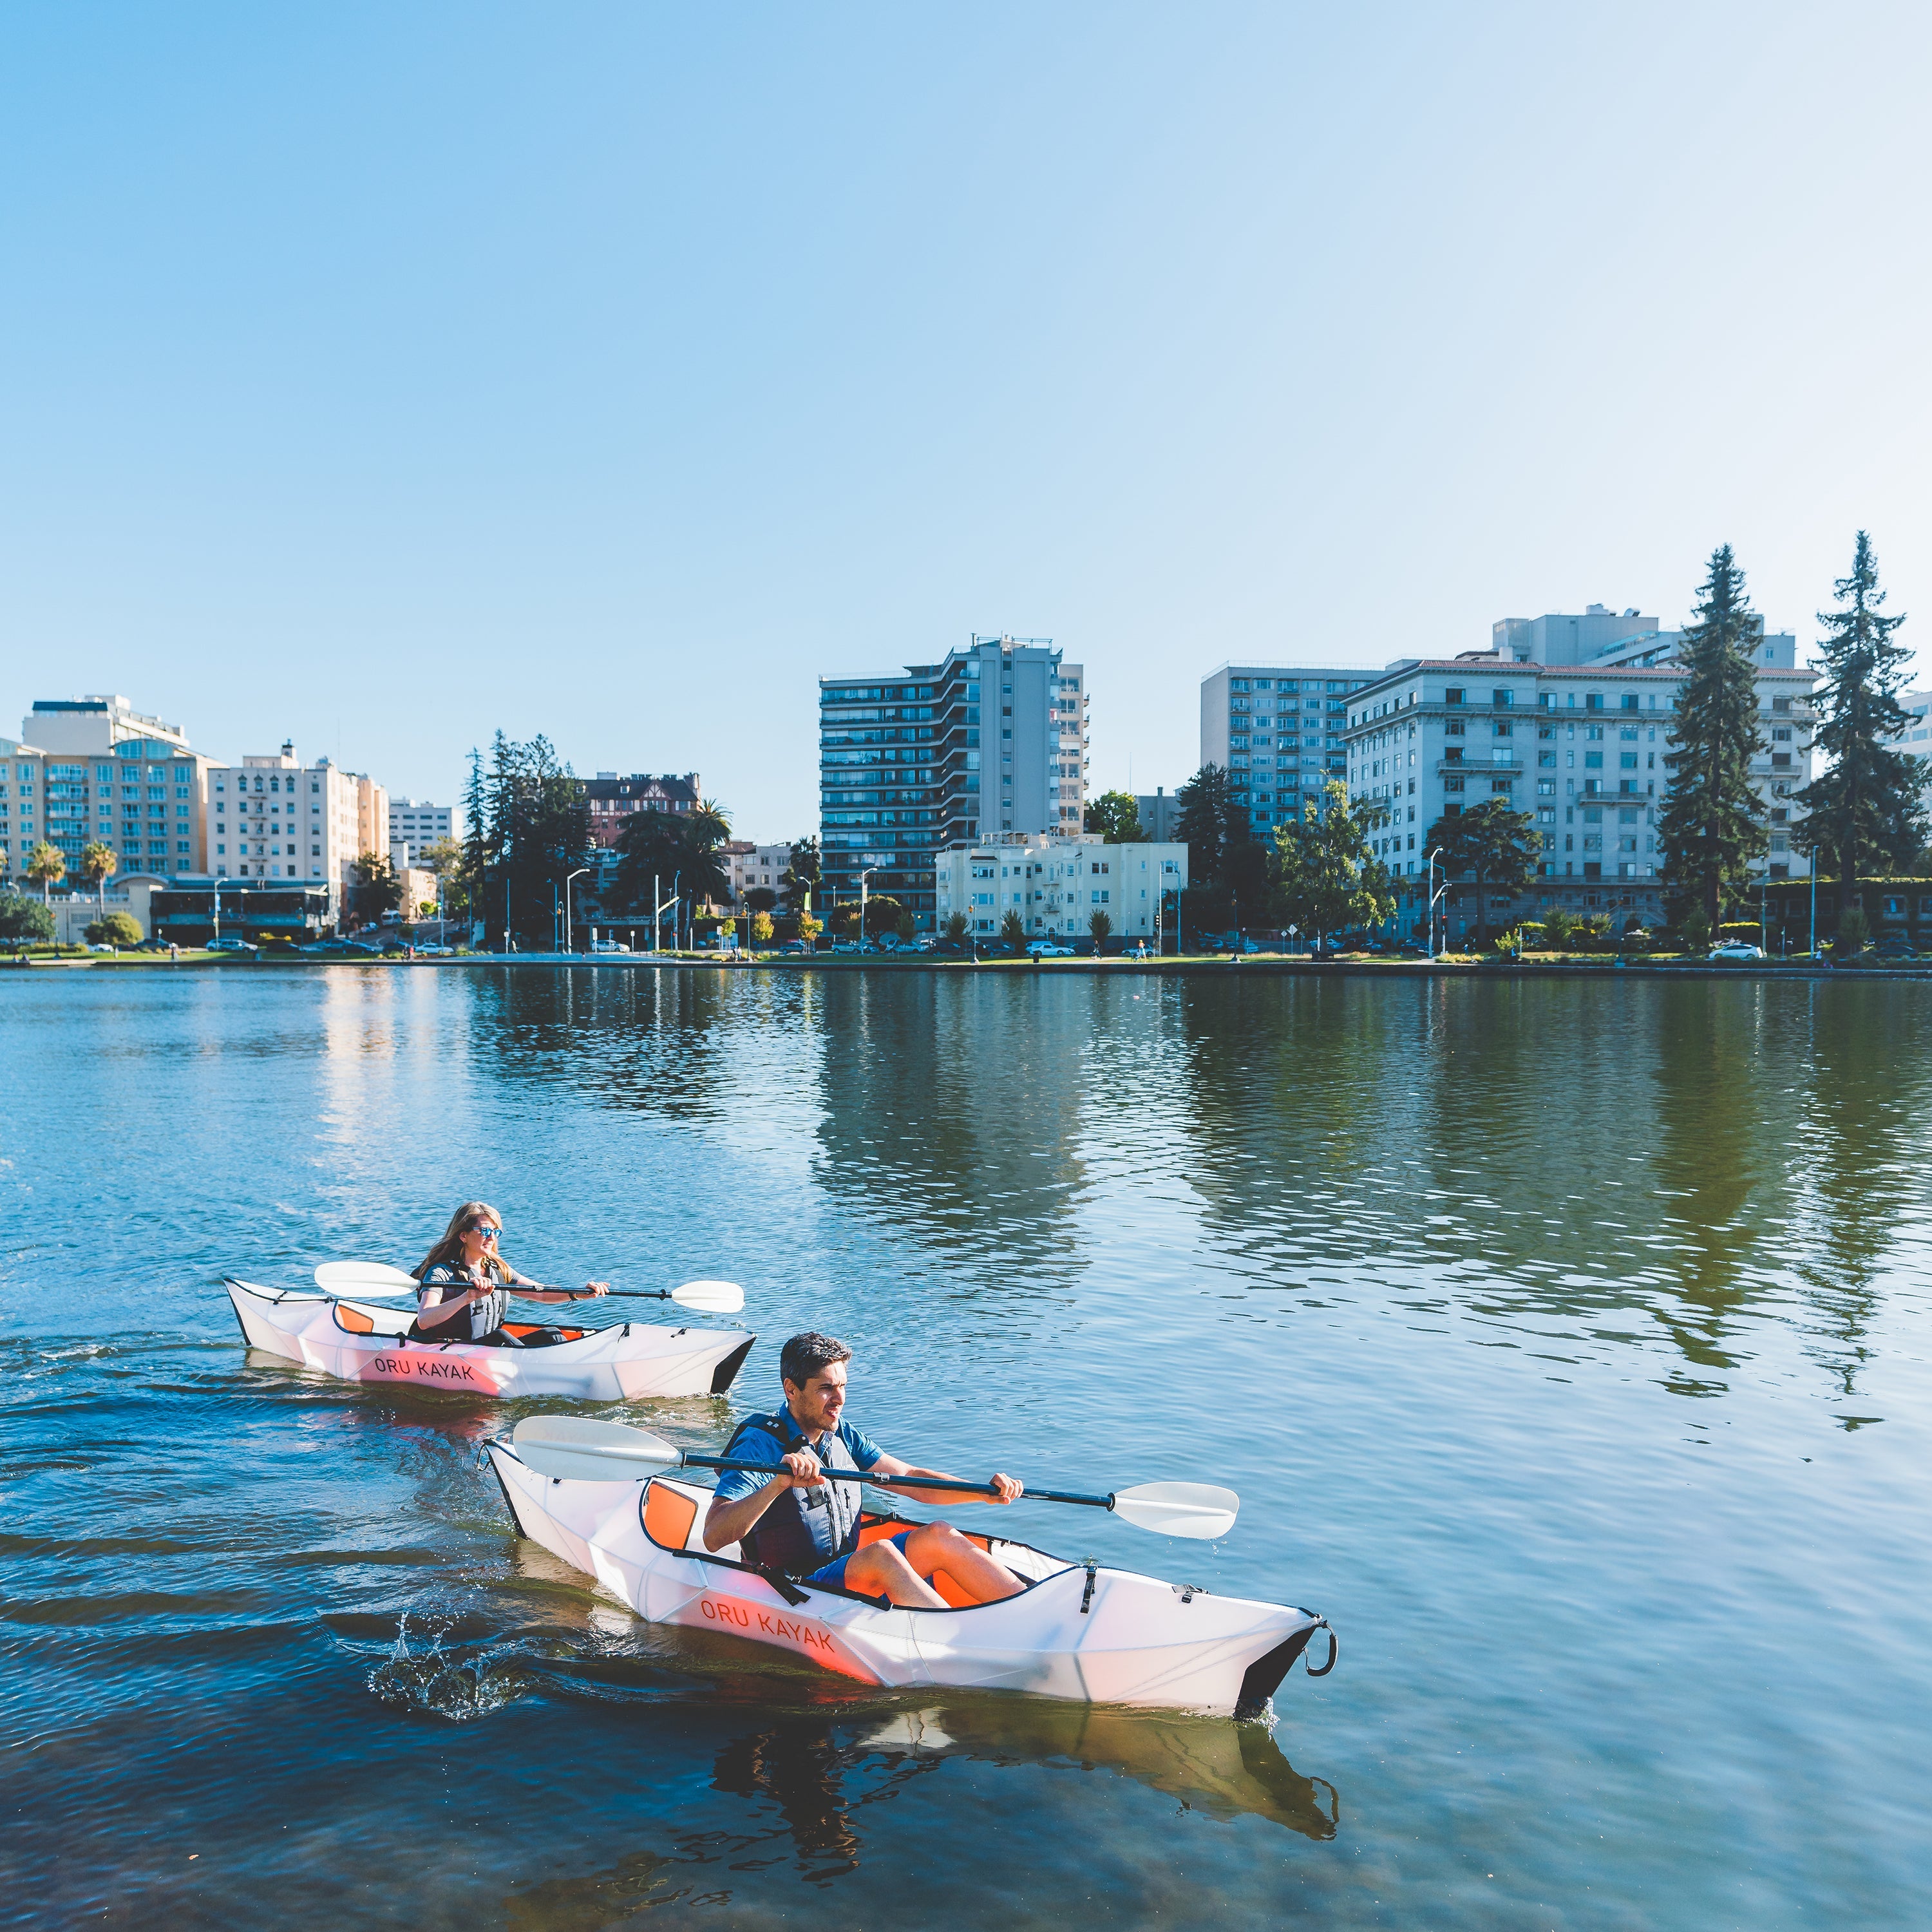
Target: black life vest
(804,1529)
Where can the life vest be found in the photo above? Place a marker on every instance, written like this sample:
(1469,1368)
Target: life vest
(804,1529)
(479,1319)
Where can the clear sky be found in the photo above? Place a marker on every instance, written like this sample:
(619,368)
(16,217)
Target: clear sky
(379,375)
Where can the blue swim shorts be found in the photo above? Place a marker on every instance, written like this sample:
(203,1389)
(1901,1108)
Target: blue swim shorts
(832,1574)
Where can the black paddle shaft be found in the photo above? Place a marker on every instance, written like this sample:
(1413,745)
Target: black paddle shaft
(609,1295)
(902,1482)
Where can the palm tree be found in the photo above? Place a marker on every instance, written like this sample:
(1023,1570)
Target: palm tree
(99,862)
(1099,926)
(45,863)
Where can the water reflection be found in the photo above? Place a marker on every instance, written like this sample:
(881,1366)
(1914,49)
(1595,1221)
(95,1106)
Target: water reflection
(815,1791)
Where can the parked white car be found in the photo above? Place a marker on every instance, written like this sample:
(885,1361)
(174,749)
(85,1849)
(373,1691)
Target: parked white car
(1047,948)
(1736,949)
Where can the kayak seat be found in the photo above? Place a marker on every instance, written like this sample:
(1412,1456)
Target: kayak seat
(355,1320)
(669,1518)
(872,1529)
(524,1331)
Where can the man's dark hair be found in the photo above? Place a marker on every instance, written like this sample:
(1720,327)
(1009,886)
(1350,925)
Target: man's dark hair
(804,1355)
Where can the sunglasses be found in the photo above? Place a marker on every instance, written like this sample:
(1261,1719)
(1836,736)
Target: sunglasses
(483,1228)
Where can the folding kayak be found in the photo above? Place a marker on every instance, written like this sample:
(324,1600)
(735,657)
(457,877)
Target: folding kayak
(363,1342)
(1078,1630)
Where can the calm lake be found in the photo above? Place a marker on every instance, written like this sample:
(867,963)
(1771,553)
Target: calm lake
(1567,1343)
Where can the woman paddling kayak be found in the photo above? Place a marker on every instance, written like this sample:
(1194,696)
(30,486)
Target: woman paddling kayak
(463,1279)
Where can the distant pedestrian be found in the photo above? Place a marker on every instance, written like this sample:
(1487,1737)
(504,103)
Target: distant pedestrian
(174,952)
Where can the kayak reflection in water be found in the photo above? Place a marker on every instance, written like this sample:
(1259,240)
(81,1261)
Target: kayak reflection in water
(462,1278)
(795,1521)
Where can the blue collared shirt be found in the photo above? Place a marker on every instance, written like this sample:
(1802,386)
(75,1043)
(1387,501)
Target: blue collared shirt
(760,1446)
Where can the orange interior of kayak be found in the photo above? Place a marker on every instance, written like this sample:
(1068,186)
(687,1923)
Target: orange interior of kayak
(358,1321)
(669,1516)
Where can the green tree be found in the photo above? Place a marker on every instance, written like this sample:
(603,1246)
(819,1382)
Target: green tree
(681,847)
(1496,846)
(1012,932)
(536,829)
(1558,925)
(1099,926)
(99,862)
(1710,828)
(377,889)
(907,928)
(810,925)
(22,922)
(761,927)
(882,914)
(46,868)
(1863,814)
(954,928)
(800,878)
(113,928)
(1327,875)
(1211,824)
(761,898)
(1116,815)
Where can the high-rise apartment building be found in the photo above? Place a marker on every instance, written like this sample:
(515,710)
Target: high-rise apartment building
(94,768)
(992,739)
(1584,746)
(1278,730)
(271,817)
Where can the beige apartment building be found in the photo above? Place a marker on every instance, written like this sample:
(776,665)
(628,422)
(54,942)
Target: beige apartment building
(94,768)
(748,865)
(272,818)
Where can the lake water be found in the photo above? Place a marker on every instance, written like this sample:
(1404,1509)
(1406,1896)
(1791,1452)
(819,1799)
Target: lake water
(1566,1341)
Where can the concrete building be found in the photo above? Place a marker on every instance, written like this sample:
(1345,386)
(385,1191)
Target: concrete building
(75,910)
(100,770)
(613,799)
(1278,730)
(1916,739)
(414,824)
(1056,882)
(1159,815)
(1585,747)
(991,739)
(748,865)
(273,818)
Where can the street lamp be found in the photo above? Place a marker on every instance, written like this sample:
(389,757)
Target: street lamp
(567,877)
(1435,893)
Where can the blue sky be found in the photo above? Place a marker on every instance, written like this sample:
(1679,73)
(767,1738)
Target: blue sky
(382,376)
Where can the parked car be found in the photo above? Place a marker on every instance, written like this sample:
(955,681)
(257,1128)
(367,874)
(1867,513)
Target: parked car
(448,952)
(1737,949)
(338,948)
(1047,948)
(596,945)
(230,944)
(1894,946)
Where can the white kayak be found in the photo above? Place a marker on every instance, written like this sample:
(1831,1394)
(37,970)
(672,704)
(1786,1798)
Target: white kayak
(364,1342)
(1079,1630)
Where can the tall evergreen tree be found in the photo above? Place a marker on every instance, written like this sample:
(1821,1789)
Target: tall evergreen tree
(1862,814)
(1711,825)
(1211,824)
(1495,845)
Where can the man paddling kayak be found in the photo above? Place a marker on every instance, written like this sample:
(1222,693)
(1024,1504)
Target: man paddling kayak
(794,1522)
(464,1277)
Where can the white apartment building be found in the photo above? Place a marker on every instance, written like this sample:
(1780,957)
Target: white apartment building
(989,740)
(270,817)
(1279,730)
(1057,882)
(414,822)
(94,768)
(1916,739)
(1584,747)
(747,865)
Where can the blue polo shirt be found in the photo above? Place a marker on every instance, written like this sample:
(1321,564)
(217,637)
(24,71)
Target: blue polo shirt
(760,1446)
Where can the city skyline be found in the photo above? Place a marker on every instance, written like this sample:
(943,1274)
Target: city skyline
(780,346)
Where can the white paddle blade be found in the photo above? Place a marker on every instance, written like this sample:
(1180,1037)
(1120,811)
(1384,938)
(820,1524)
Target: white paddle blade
(589,1451)
(375,1278)
(714,1297)
(1198,1510)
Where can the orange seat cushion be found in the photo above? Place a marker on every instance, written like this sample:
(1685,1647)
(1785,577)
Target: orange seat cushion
(354,1320)
(668,1516)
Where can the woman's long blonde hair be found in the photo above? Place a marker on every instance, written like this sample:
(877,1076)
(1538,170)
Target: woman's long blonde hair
(449,1252)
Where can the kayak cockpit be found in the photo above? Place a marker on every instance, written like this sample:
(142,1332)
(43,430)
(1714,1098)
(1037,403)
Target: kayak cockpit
(672,1515)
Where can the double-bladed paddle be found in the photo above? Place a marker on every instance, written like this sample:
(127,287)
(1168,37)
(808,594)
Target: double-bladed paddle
(375,1280)
(586,1450)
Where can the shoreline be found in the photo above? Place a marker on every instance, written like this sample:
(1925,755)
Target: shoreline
(1266,965)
